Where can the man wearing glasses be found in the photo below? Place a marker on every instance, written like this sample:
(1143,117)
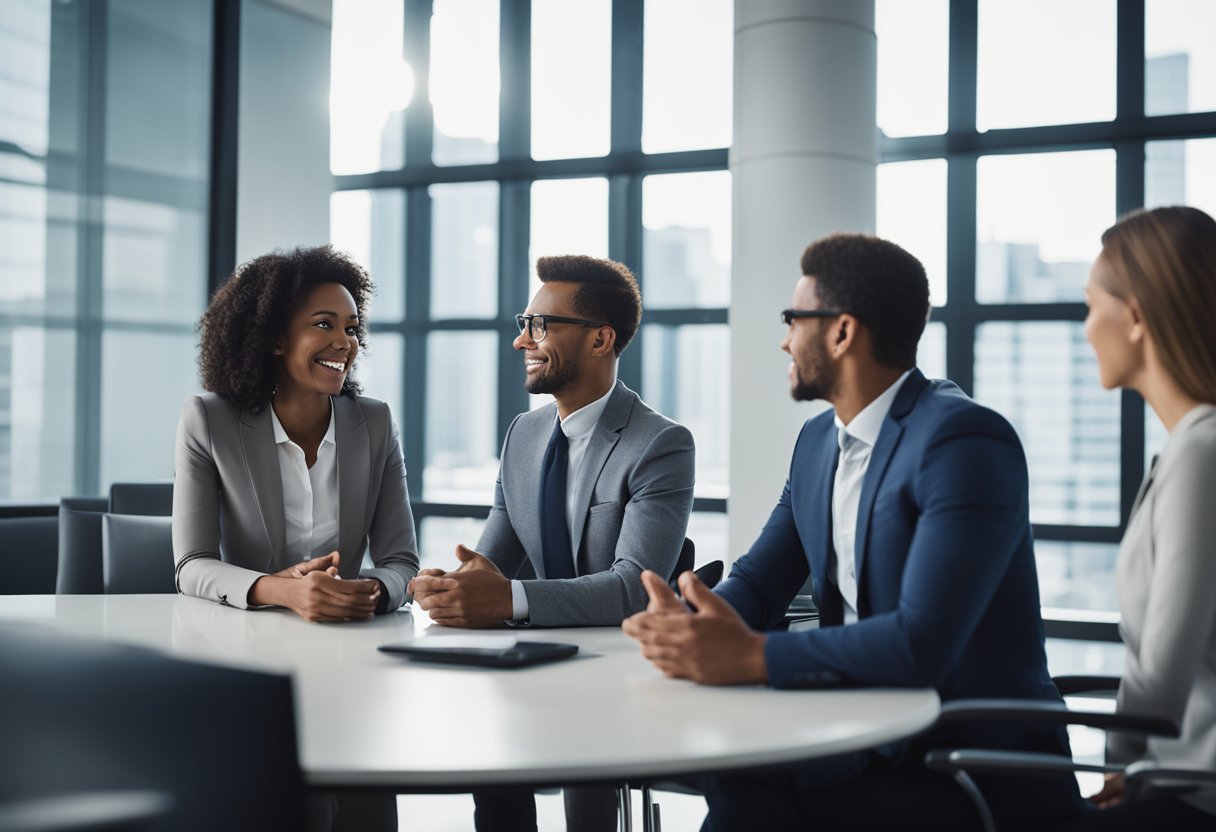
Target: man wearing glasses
(907,505)
(593,489)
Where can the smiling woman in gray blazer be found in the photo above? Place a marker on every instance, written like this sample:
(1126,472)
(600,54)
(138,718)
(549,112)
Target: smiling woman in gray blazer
(1152,304)
(284,474)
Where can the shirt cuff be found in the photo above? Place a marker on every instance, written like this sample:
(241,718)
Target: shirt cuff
(519,601)
(382,603)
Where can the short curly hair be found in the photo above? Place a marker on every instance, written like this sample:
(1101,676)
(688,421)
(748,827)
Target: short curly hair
(879,283)
(607,291)
(251,312)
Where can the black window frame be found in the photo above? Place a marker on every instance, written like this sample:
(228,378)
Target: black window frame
(625,167)
(961,146)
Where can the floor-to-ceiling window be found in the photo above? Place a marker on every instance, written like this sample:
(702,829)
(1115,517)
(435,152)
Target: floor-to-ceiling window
(471,137)
(1013,135)
(104,186)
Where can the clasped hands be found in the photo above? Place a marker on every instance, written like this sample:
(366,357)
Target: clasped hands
(475,595)
(314,591)
(711,645)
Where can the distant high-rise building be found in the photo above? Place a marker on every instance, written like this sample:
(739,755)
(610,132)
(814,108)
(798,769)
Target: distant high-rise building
(685,367)
(1165,91)
(679,269)
(1166,88)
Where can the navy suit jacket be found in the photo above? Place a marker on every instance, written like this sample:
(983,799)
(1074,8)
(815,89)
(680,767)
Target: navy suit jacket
(947,593)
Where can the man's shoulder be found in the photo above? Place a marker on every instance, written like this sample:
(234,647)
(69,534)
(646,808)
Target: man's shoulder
(533,421)
(943,407)
(644,418)
(816,427)
(646,424)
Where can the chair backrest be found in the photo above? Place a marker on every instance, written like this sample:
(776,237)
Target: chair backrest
(80,570)
(28,510)
(711,573)
(86,716)
(29,549)
(150,499)
(686,560)
(137,554)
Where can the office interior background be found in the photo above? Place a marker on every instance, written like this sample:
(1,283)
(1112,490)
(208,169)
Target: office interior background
(147,147)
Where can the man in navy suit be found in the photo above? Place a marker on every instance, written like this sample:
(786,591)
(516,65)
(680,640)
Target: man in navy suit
(907,506)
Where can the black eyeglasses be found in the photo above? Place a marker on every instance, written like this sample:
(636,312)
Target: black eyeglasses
(537,326)
(788,315)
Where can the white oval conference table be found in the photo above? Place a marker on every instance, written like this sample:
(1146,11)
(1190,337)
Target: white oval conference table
(367,718)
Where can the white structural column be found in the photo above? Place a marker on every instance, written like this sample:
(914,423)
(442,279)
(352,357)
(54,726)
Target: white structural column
(803,165)
(283,178)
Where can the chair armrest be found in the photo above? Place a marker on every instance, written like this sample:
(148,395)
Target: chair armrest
(1076,685)
(985,761)
(1054,713)
(1168,779)
(89,810)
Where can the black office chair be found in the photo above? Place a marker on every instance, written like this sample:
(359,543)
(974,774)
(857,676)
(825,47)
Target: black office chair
(962,763)
(710,574)
(82,717)
(137,554)
(80,556)
(150,499)
(29,544)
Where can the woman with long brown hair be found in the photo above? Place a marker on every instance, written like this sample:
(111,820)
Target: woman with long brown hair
(1152,314)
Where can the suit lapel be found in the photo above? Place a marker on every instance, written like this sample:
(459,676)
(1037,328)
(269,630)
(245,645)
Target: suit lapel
(266,482)
(603,439)
(819,505)
(1144,486)
(888,440)
(354,458)
(523,481)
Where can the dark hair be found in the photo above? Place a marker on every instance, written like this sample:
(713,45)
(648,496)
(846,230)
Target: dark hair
(250,313)
(607,291)
(1165,259)
(880,284)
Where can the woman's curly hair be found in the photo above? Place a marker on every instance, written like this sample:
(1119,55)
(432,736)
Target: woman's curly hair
(250,313)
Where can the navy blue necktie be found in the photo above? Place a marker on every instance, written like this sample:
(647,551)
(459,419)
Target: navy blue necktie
(554,533)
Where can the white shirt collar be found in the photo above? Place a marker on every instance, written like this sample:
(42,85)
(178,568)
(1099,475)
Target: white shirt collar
(582,421)
(867,424)
(280,435)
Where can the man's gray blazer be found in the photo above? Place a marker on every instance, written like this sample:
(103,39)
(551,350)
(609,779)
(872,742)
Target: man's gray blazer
(632,499)
(229,524)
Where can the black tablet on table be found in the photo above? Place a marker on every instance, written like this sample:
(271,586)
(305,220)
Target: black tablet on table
(488,652)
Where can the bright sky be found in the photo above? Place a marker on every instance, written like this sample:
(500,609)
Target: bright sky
(571,78)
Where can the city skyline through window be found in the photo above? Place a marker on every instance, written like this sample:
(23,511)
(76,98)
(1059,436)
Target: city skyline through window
(1012,338)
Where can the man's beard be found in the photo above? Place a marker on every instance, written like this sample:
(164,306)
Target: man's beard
(551,381)
(822,378)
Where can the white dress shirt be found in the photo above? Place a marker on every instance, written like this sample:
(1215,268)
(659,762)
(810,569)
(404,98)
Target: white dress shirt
(310,495)
(856,441)
(578,427)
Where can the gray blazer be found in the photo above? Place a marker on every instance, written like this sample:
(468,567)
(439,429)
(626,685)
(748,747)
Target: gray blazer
(229,526)
(631,506)
(1166,580)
